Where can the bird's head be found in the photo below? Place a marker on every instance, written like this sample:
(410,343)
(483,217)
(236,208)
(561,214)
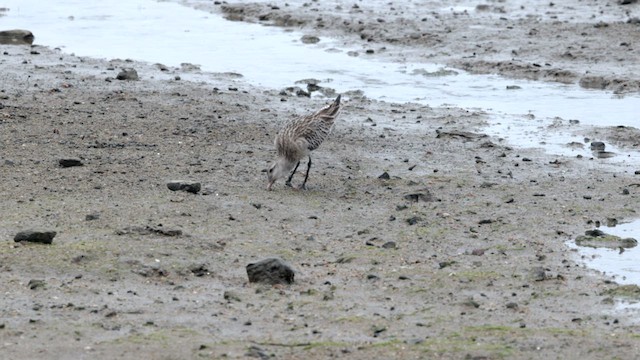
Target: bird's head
(278,170)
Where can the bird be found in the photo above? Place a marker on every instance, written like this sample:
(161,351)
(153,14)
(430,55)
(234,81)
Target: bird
(297,139)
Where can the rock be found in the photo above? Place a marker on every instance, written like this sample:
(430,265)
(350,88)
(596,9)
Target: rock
(424,195)
(310,39)
(384,176)
(128,74)
(256,352)
(231,296)
(594,82)
(597,145)
(65,163)
(43,237)
(91,217)
(624,291)
(36,284)
(192,187)
(16,37)
(599,239)
(270,271)
(199,270)
(538,274)
(389,245)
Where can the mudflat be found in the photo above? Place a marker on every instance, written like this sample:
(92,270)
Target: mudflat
(419,236)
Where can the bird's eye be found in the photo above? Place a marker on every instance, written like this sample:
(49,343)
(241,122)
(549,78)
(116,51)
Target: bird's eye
(270,170)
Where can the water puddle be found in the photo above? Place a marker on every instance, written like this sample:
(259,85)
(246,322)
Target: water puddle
(623,265)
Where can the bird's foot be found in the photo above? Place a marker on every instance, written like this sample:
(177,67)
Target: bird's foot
(302,187)
(288,183)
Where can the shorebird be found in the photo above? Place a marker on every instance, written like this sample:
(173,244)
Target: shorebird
(298,138)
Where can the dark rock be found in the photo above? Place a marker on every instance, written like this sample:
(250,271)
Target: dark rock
(231,296)
(36,284)
(270,271)
(384,176)
(444,264)
(44,237)
(538,274)
(424,195)
(413,220)
(128,74)
(310,39)
(199,270)
(597,145)
(594,82)
(599,239)
(512,305)
(91,217)
(16,37)
(177,185)
(389,245)
(256,352)
(65,163)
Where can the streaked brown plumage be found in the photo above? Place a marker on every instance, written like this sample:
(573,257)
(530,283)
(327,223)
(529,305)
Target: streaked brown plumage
(298,138)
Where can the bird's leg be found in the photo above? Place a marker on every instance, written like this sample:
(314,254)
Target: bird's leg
(288,183)
(303,186)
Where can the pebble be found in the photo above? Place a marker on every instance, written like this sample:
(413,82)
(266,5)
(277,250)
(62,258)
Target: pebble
(597,145)
(36,284)
(128,74)
(43,237)
(231,296)
(384,176)
(310,39)
(270,271)
(424,196)
(65,163)
(389,245)
(177,185)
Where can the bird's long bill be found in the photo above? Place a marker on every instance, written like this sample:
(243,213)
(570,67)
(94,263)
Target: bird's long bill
(270,184)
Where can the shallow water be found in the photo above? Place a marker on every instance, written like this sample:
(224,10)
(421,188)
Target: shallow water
(625,266)
(172,34)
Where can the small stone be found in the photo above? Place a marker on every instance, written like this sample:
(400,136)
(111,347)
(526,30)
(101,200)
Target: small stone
(43,237)
(597,146)
(384,176)
(231,296)
(16,37)
(389,245)
(91,217)
(310,39)
(128,74)
(36,284)
(512,305)
(538,273)
(177,185)
(65,163)
(413,220)
(424,195)
(594,82)
(270,271)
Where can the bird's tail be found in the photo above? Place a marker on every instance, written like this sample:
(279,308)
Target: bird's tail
(333,109)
